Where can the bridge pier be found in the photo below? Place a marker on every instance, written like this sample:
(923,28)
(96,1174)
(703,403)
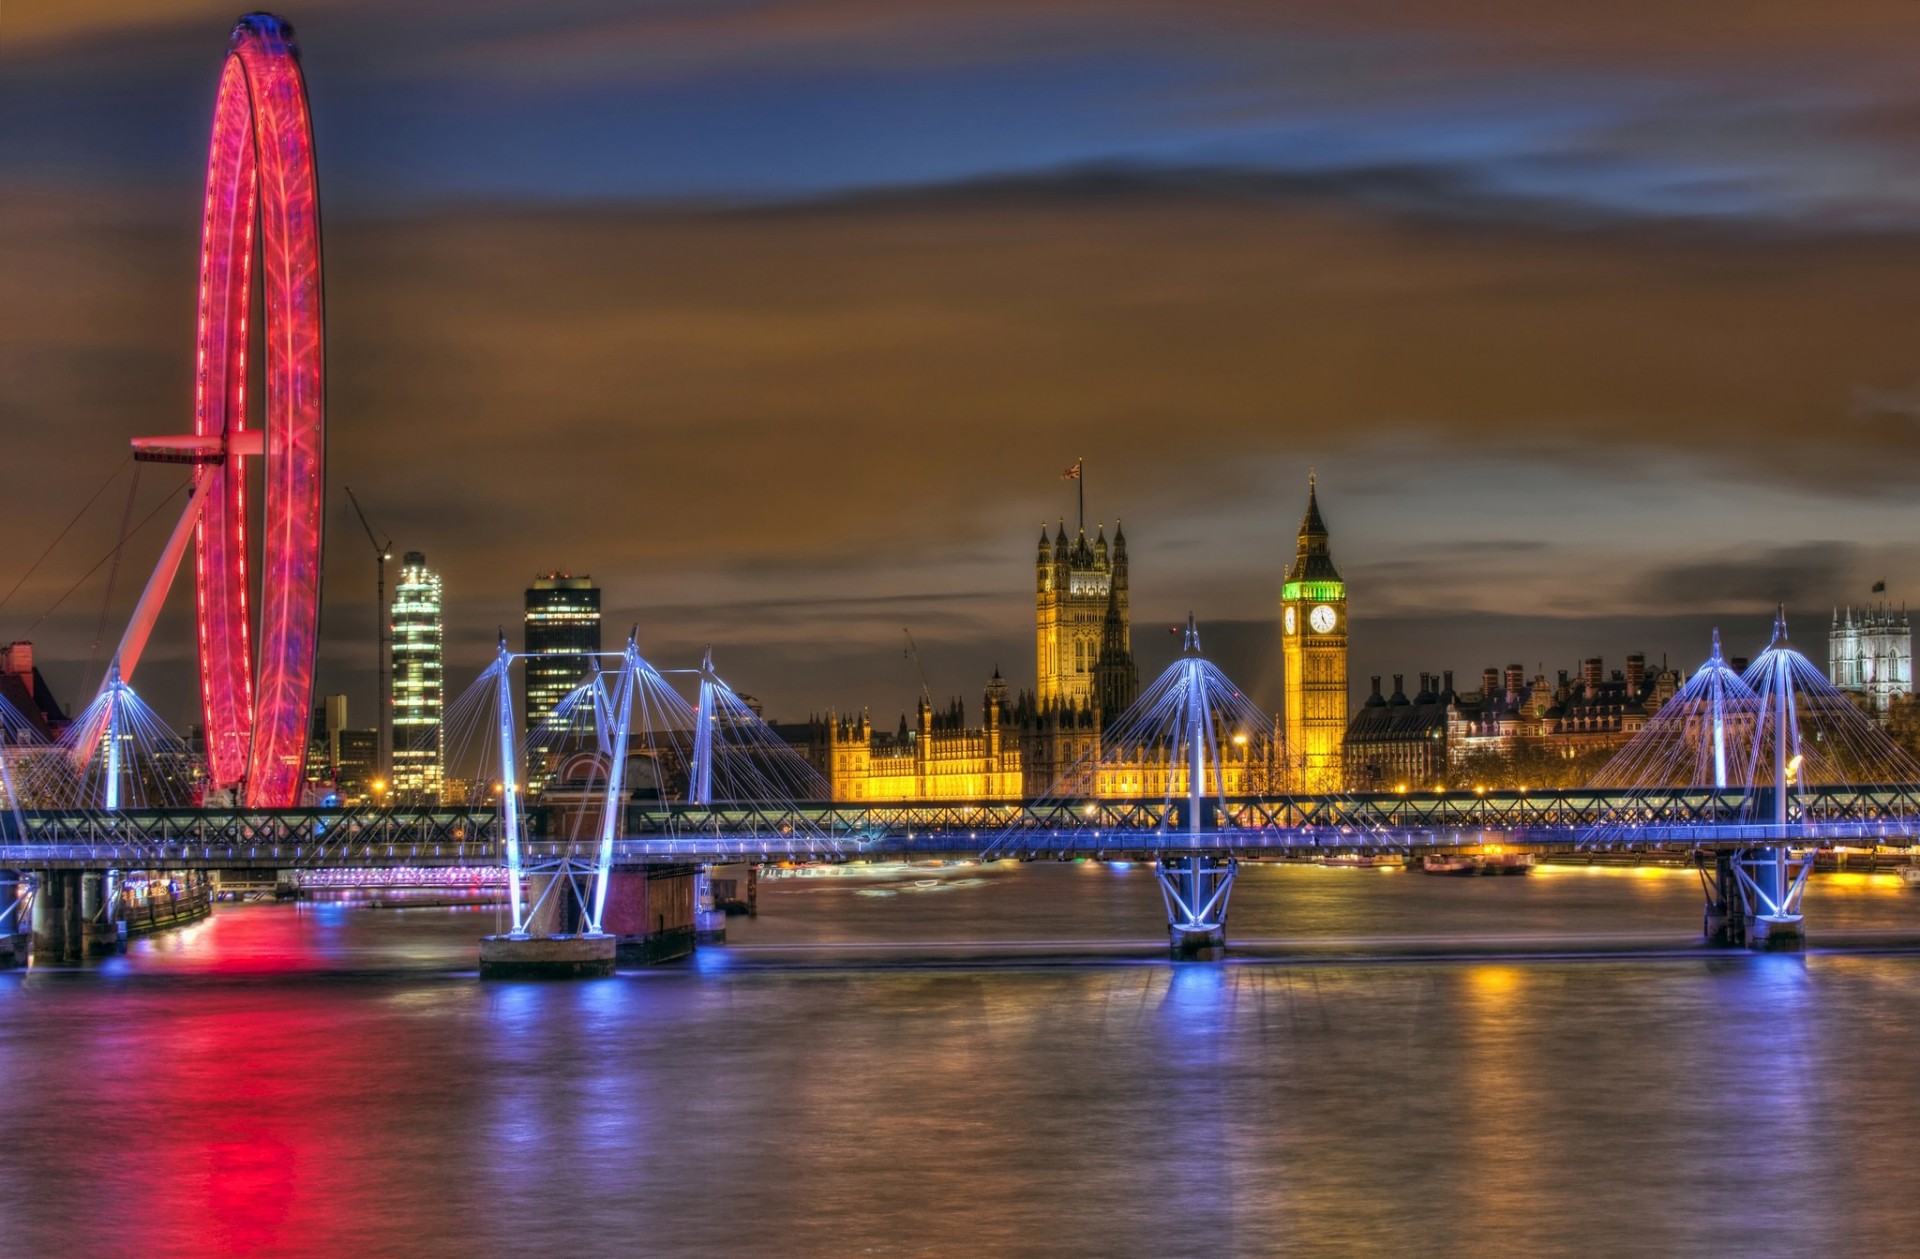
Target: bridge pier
(102,935)
(58,927)
(16,937)
(1195,890)
(1755,896)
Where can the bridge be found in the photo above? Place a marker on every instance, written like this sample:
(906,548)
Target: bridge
(39,846)
(1254,826)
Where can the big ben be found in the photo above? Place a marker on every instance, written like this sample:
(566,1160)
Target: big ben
(1313,627)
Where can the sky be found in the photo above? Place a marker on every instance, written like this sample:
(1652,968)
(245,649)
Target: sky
(1600,325)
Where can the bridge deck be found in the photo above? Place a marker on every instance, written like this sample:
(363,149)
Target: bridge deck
(1277,827)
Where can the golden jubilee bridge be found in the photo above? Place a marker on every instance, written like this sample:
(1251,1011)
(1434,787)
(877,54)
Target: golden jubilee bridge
(748,797)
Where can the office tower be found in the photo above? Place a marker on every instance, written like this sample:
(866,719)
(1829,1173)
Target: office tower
(562,634)
(418,683)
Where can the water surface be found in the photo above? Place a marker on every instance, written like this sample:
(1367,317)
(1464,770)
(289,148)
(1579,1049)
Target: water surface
(985,1061)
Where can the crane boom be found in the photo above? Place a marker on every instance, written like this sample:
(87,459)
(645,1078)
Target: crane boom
(382,658)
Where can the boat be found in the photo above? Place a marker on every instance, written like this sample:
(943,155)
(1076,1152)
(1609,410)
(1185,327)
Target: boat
(1476,864)
(1363,861)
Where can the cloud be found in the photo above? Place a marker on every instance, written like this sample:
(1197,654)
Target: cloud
(1816,573)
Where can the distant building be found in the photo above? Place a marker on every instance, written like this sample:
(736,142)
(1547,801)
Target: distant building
(358,766)
(1510,733)
(323,740)
(562,634)
(1083,637)
(1870,653)
(419,756)
(24,690)
(939,757)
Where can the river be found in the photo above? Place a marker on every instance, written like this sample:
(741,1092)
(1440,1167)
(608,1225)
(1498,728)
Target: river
(985,1061)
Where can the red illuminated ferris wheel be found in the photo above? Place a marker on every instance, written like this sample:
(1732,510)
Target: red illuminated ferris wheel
(256,676)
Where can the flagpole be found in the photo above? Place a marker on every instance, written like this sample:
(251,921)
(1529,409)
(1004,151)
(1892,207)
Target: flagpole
(1081,464)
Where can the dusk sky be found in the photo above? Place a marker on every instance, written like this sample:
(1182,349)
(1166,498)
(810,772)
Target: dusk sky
(1600,323)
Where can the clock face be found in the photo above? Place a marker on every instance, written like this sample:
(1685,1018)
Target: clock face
(1322,619)
(1289,620)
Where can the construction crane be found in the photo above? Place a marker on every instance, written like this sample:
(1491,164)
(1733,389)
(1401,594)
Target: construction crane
(383,663)
(913,654)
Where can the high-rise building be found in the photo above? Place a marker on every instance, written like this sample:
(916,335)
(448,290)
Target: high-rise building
(562,634)
(419,688)
(1313,626)
(358,770)
(323,740)
(1080,608)
(1870,652)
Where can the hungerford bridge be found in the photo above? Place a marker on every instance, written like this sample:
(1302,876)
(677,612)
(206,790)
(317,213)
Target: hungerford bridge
(564,856)
(1754,769)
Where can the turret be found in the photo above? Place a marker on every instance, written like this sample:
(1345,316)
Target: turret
(1116,679)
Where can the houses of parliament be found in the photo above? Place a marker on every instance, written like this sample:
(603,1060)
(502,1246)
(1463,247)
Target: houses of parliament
(1085,677)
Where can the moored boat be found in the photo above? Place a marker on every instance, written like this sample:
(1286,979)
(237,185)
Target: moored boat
(1475,864)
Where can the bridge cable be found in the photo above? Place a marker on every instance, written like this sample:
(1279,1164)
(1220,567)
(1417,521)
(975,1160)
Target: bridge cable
(34,567)
(144,522)
(113,578)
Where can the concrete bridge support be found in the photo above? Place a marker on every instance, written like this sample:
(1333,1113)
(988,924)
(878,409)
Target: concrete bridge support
(103,933)
(16,936)
(58,925)
(651,911)
(1195,890)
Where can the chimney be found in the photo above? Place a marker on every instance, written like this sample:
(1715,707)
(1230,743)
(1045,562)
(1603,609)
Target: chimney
(1636,674)
(1590,675)
(1516,682)
(1376,686)
(1446,682)
(1489,682)
(17,659)
(1399,687)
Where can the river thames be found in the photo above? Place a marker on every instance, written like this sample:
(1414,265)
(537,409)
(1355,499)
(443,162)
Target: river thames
(992,1061)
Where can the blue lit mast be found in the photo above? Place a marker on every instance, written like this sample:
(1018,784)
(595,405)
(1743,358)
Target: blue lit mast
(509,784)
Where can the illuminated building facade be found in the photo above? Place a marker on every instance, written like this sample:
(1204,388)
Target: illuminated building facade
(562,633)
(1313,634)
(419,694)
(938,758)
(1510,733)
(1081,608)
(1870,653)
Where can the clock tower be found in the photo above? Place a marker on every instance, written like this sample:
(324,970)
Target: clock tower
(1313,631)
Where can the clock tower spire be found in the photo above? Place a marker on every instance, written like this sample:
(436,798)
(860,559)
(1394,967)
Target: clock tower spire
(1313,625)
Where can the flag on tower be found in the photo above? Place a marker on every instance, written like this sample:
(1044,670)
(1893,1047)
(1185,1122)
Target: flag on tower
(1880,587)
(1073,473)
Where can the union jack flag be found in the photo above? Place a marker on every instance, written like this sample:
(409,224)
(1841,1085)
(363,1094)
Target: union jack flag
(1073,473)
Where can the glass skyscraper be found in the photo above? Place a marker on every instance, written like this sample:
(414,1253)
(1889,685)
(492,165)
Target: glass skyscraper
(419,765)
(562,631)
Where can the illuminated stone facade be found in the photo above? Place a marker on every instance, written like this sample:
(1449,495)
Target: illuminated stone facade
(1313,634)
(1870,653)
(1077,585)
(939,758)
(1510,733)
